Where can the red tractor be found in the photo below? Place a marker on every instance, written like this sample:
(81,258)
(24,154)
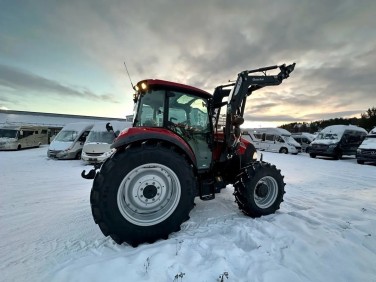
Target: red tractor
(180,147)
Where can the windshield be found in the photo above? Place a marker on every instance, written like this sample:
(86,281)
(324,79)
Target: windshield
(66,136)
(289,139)
(189,111)
(8,133)
(101,137)
(328,136)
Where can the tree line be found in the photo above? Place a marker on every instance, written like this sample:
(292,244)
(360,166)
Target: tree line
(367,121)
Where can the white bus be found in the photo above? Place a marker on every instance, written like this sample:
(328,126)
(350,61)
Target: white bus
(272,140)
(17,137)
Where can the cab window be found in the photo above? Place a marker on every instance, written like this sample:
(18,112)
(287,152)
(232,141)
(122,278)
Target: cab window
(188,111)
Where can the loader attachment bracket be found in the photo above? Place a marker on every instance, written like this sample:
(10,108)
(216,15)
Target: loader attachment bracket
(91,174)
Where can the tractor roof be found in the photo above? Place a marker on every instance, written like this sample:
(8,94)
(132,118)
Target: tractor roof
(157,83)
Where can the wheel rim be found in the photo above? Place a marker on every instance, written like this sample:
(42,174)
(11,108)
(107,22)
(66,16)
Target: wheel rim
(266,192)
(149,194)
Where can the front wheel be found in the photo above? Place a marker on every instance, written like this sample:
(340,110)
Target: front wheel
(143,194)
(338,155)
(259,191)
(78,155)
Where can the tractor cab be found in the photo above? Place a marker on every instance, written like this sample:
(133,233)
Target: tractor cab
(178,108)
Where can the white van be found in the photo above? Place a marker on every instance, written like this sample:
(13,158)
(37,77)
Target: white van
(272,140)
(97,146)
(17,137)
(69,142)
(337,140)
(367,150)
(304,139)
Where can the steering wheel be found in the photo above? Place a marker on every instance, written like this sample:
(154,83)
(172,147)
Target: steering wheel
(179,128)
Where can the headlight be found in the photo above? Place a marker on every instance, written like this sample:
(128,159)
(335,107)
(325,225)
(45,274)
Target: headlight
(332,146)
(358,151)
(143,86)
(254,157)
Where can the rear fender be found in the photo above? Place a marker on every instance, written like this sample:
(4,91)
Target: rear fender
(139,134)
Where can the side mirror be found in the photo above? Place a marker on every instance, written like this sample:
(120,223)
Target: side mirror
(109,127)
(20,134)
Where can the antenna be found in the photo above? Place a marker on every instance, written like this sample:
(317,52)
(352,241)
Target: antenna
(129,76)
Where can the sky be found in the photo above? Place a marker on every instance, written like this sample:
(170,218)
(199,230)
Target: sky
(68,57)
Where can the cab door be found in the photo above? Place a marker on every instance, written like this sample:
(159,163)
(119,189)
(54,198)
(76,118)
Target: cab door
(190,118)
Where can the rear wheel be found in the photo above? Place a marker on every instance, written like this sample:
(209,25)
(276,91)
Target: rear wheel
(260,190)
(360,161)
(312,155)
(143,194)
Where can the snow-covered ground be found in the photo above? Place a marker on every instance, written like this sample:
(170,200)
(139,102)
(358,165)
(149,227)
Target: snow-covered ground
(324,231)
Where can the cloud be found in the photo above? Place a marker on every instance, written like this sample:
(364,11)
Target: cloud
(324,116)
(205,44)
(25,83)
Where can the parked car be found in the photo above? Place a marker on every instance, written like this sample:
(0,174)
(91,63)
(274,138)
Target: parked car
(304,139)
(272,140)
(337,140)
(367,150)
(97,146)
(69,142)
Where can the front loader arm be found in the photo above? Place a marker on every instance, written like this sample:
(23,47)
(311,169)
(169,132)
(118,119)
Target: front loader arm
(243,87)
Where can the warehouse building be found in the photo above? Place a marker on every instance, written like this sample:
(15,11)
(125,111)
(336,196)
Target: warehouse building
(54,122)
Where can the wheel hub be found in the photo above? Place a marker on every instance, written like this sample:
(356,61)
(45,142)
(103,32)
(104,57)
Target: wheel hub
(266,192)
(148,194)
(150,191)
(262,190)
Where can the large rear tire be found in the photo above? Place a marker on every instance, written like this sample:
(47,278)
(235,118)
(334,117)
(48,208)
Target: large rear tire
(259,191)
(143,194)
